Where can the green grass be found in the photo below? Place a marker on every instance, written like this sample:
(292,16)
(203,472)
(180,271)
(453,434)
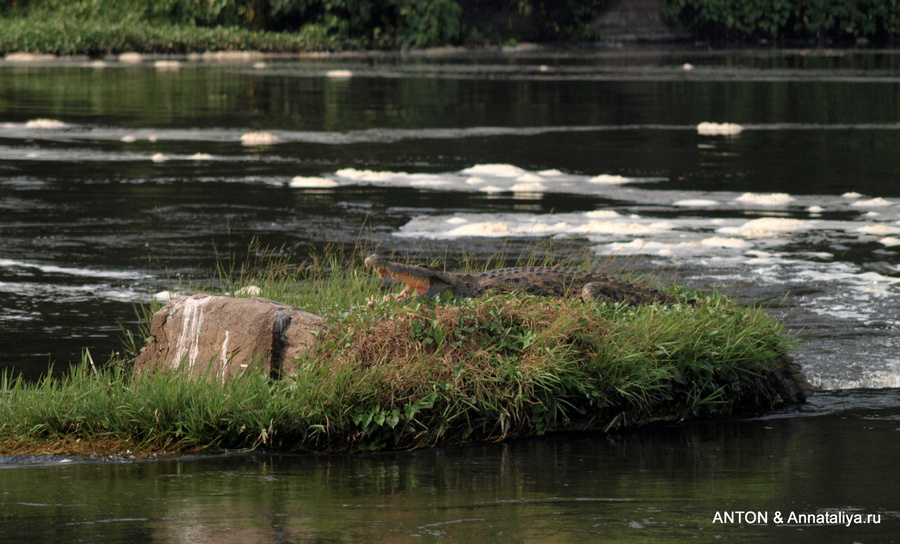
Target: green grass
(389,375)
(76,29)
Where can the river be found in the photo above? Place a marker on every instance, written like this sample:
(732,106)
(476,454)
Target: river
(767,175)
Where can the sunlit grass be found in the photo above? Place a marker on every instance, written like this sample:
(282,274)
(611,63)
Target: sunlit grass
(74,28)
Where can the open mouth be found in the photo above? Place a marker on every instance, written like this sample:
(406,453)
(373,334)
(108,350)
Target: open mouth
(414,285)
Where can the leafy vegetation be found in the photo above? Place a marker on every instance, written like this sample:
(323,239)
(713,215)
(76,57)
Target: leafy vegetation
(87,27)
(96,27)
(389,375)
(785,19)
(175,26)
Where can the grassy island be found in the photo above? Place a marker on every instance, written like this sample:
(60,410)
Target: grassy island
(421,373)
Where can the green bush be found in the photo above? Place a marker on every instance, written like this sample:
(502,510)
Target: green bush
(786,19)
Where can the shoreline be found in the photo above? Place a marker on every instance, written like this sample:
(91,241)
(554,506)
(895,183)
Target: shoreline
(252,56)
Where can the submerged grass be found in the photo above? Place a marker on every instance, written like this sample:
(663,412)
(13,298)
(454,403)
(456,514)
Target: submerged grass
(393,375)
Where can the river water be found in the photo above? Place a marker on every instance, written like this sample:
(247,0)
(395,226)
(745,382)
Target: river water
(771,176)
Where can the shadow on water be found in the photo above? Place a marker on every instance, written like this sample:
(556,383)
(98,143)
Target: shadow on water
(654,484)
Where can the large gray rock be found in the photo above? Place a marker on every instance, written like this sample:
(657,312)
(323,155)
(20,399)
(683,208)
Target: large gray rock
(218,337)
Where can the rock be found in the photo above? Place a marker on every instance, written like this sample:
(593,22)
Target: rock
(218,337)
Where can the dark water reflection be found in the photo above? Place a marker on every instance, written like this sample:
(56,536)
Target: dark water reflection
(661,484)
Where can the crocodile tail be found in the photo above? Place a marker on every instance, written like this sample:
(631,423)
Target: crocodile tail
(790,382)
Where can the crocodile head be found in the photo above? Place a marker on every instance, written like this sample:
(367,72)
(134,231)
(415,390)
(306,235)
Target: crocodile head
(419,280)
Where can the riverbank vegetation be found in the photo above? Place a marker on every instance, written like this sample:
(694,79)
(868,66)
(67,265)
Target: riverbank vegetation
(389,375)
(97,27)
(819,21)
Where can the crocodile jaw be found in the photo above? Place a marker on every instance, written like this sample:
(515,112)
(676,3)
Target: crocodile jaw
(414,285)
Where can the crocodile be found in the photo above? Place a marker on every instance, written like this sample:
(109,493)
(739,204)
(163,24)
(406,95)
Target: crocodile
(424,281)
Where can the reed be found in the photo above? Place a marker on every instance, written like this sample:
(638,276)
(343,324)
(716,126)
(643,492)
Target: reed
(389,375)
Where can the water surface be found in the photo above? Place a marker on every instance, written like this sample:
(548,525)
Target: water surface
(119,181)
(662,484)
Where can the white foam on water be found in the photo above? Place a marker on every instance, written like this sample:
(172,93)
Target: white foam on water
(880,379)
(719,241)
(258,138)
(487,228)
(766,227)
(776,223)
(164,296)
(228,56)
(607,179)
(339,74)
(167,65)
(70,293)
(371,175)
(873,203)
(546,228)
(597,214)
(773,199)
(429,183)
(719,129)
(528,187)
(494,170)
(641,246)
(47,124)
(70,271)
(614,227)
(312,182)
(696,203)
(529,177)
(878,230)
